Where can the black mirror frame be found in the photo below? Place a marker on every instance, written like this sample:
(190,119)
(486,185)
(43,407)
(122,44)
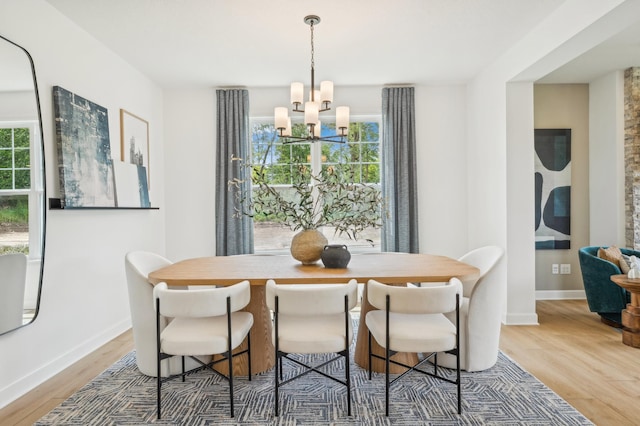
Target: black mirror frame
(44,183)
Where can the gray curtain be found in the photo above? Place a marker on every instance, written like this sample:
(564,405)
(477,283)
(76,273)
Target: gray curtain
(399,180)
(234,235)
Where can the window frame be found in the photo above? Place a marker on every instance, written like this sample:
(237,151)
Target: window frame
(35,192)
(316,166)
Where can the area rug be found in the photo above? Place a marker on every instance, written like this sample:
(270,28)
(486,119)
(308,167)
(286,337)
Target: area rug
(504,395)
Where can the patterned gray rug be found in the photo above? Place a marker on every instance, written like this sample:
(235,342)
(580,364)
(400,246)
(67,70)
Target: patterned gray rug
(503,395)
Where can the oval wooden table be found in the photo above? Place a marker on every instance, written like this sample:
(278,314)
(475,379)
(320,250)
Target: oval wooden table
(630,315)
(388,268)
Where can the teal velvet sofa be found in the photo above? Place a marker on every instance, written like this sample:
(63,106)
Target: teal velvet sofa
(603,295)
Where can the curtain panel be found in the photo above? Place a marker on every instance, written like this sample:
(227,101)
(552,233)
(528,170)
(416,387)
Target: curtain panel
(399,177)
(234,235)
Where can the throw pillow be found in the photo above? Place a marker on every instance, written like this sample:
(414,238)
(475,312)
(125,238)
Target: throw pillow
(625,264)
(612,254)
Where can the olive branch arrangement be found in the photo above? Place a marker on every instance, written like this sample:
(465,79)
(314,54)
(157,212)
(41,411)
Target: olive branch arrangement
(330,198)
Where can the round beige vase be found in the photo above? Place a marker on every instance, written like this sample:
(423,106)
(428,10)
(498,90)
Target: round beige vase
(307,246)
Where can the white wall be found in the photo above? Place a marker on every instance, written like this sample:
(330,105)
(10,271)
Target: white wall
(606,161)
(84,295)
(190,172)
(441,112)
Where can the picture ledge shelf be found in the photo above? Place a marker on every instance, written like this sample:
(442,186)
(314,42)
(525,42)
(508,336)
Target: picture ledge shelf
(57,204)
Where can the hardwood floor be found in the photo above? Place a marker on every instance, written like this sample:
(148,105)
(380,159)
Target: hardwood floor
(571,351)
(581,359)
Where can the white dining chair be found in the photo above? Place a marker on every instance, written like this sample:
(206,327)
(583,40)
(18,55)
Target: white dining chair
(204,322)
(311,319)
(411,319)
(138,265)
(480,313)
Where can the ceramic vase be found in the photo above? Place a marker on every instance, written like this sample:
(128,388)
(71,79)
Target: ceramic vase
(335,256)
(307,246)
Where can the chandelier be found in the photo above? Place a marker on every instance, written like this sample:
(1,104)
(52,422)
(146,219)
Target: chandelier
(319,101)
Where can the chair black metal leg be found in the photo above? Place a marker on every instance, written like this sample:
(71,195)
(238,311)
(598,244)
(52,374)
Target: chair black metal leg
(159,385)
(386,374)
(348,380)
(183,369)
(458,383)
(278,371)
(369,338)
(231,381)
(158,369)
(386,357)
(249,354)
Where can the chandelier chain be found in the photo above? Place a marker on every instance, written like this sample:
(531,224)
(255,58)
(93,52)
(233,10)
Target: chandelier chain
(312,48)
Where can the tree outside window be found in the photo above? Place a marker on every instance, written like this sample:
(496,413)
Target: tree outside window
(282,164)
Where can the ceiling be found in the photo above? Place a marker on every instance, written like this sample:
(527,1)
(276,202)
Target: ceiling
(257,43)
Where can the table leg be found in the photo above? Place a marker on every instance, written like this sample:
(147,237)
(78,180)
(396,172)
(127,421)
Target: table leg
(361,356)
(262,350)
(631,322)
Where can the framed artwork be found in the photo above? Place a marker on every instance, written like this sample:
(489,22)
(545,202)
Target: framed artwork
(134,141)
(553,188)
(131,185)
(84,151)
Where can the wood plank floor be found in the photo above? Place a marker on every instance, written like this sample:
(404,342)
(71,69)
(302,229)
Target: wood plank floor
(571,351)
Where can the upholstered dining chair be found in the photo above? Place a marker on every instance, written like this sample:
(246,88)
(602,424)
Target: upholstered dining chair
(311,319)
(12,288)
(411,319)
(480,313)
(138,265)
(204,322)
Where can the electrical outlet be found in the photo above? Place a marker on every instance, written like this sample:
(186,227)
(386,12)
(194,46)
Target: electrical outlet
(554,268)
(565,268)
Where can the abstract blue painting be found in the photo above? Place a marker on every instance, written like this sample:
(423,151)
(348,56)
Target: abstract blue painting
(553,188)
(84,151)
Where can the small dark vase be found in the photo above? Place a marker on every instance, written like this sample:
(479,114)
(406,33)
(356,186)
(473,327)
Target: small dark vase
(335,256)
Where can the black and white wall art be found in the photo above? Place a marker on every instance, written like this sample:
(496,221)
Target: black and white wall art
(553,188)
(84,151)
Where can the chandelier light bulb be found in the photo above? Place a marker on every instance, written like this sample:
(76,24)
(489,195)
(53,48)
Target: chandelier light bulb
(326,91)
(281,116)
(297,93)
(342,119)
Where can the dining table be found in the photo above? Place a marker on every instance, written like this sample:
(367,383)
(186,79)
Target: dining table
(385,267)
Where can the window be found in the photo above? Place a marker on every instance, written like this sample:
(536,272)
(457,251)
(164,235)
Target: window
(19,200)
(361,152)
(14,158)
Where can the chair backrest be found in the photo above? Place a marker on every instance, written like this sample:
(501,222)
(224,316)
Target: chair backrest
(483,258)
(209,302)
(12,287)
(138,265)
(415,300)
(323,300)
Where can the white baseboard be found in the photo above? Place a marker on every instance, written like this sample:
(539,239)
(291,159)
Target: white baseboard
(560,295)
(20,387)
(532,318)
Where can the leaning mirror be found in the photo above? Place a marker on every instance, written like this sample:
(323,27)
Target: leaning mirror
(22,189)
